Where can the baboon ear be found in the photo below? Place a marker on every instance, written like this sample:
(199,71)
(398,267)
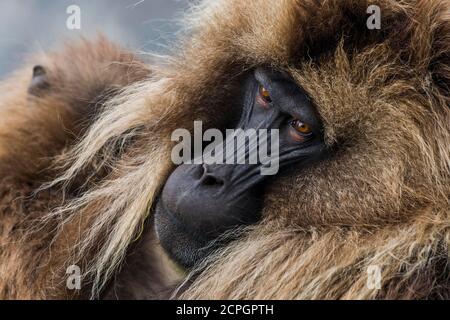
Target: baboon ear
(39,81)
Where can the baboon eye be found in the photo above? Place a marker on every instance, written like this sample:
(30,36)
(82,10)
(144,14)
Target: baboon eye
(265,95)
(301,127)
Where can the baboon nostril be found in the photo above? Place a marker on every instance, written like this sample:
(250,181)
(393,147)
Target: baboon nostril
(211,181)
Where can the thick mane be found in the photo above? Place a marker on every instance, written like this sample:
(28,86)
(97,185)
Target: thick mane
(409,238)
(281,31)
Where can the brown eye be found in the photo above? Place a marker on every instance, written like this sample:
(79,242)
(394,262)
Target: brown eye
(265,95)
(301,127)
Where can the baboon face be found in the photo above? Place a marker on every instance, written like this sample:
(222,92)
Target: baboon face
(201,202)
(351,112)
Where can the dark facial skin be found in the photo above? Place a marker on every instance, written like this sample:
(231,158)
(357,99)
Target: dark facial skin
(199,203)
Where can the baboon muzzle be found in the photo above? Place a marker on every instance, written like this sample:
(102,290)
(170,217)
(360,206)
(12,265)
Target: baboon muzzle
(200,203)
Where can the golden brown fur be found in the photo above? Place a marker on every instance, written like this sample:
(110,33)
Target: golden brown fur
(34,128)
(382,198)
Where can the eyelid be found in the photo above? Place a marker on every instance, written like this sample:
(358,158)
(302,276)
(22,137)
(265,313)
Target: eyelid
(264,103)
(311,129)
(270,89)
(271,80)
(263,80)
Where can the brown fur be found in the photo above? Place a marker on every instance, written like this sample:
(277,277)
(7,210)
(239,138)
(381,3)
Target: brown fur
(382,198)
(35,128)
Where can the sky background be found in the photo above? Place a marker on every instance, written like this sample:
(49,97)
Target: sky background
(27,26)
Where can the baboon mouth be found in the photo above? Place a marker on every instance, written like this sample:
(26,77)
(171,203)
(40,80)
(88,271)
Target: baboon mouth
(185,247)
(194,216)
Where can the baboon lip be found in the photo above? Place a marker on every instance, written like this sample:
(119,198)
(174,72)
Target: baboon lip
(181,245)
(181,225)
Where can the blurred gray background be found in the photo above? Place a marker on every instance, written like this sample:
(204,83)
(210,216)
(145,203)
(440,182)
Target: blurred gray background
(32,25)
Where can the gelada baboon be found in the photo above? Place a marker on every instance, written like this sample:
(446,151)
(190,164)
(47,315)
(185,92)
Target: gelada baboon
(359,209)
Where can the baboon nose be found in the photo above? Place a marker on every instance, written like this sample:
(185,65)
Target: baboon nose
(212,178)
(202,198)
